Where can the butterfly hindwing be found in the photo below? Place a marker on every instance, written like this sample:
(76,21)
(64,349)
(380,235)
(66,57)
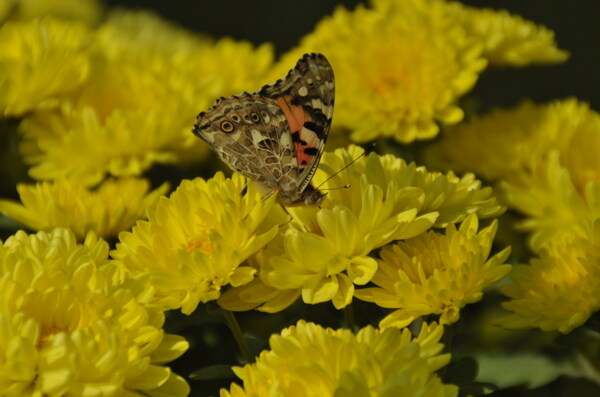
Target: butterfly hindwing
(250,134)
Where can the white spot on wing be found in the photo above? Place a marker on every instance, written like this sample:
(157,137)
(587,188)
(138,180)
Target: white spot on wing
(257,137)
(286,141)
(303,91)
(316,103)
(265,116)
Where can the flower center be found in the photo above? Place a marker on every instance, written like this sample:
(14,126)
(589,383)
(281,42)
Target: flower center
(201,243)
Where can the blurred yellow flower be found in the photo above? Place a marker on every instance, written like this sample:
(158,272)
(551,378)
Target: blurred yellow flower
(195,68)
(194,241)
(552,203)
(68,326)
(544,158)
(148,81)
(509,40)
(41,61)
(112,207)
(323,252)
(402,67)
(87,11)
(307,360)
(436,274)
(78,144)
(510,141)
(559,290)
(7,7)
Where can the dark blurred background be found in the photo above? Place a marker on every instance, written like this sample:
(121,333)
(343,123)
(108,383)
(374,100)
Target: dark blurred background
(283,23)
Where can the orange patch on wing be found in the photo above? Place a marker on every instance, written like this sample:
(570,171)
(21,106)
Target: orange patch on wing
(312,141)
(296,117)
(293,114)
(303,158)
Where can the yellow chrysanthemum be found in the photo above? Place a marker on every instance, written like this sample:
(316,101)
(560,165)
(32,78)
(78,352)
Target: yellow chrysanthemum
(7,7)
(553,205)
(147,84)
(400,69)
(557,291)
(545,157)
(194,241)
(436,274)
(510,40)
(206,70)
(68,326)
(307,360)
(79,144)
(194,70)
(41,61)
(507,142)
(324,252)
(88,11)
(113,207)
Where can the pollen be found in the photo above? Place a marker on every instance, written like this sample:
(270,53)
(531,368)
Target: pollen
(203,244)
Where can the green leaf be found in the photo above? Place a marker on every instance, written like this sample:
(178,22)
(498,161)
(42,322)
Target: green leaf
(530,369)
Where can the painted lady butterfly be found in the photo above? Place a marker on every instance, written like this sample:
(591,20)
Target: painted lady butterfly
(276,135)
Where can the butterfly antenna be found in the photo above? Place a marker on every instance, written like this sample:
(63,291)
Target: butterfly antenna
(346,186)
(346,166)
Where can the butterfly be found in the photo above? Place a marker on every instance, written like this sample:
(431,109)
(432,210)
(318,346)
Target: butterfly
(276,135)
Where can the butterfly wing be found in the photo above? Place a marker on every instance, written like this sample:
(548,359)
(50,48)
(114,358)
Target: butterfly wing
(250,134)
(306,97)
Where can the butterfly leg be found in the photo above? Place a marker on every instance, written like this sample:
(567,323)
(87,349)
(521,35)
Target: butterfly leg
(290,217)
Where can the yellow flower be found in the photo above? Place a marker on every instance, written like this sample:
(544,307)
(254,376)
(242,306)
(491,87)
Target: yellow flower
(87,11)
(400,69)
(559,290)
(68,326)
(507,142)
(7,7)
(436,274)
(507,40)
(176,66)
(510,40)
(322,253)
(194,241)
(113,207)
(206,70)
(78,144)
(545,158)
(553,205)
(147,84)
(41,61)
(307,360)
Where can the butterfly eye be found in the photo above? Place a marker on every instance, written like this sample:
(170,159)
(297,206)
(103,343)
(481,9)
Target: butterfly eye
(255,117)
(226,126)
(235,118)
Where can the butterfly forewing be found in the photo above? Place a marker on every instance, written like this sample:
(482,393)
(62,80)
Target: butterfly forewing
(306,96)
